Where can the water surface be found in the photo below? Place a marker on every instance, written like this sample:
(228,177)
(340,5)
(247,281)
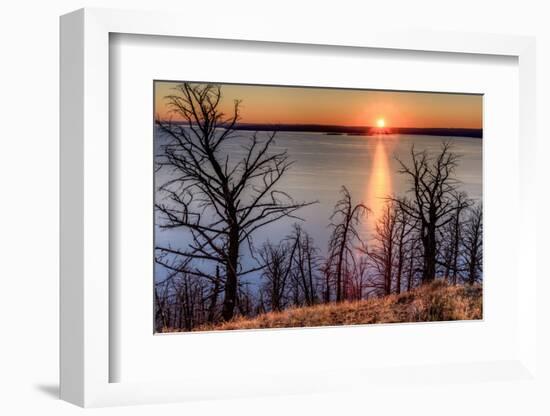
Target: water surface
(366,165)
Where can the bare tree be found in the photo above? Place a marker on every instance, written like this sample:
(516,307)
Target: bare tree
(405,227)
(360,279)
(218,201)
(473,244)
(245,299)
(162,307)
(391,252)
(326,273)
(451,236)
(433,186)
(383,252)
(344,222)
(212,309)
(174,291)
(276,260)
(414,261)
(181,302)
(304,261)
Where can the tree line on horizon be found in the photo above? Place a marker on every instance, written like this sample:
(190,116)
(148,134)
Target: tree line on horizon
(434,231)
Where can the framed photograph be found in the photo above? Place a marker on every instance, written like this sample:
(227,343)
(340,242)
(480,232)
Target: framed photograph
(278,207)
(282,213)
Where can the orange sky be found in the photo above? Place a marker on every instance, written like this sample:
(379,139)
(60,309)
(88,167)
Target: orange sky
(329,106)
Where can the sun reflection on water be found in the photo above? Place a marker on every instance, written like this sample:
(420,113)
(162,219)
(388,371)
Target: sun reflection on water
(379,184)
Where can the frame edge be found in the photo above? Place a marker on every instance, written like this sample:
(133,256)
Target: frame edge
(71,220)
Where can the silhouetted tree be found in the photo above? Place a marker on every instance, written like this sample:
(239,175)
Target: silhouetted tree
(219,202)
(473,244)
(245,299)
(344,221)
(405,227)
(451,236)
(414,261)
(276,260)
(326,273)
(433,187)
(383,251)
(360,280)
(304,261)
(162,307)
(212,309)
(390,253)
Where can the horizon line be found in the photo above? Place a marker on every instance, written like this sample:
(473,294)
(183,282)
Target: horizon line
(341,128)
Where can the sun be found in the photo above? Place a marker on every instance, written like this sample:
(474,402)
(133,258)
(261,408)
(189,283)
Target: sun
(380,123)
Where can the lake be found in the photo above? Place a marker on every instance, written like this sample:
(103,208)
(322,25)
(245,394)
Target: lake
(324,163)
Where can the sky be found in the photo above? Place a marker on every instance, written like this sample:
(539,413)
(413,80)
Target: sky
(343,107)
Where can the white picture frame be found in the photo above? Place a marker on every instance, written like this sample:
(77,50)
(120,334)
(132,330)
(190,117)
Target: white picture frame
(85,211)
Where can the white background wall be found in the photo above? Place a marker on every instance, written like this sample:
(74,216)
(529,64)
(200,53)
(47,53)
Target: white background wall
(29,188)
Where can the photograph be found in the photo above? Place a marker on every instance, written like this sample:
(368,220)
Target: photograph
(296,206)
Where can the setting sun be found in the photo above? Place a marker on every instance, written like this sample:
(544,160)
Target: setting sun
(381,122)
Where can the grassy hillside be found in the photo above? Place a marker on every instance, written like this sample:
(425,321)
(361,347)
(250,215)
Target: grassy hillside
(435,302)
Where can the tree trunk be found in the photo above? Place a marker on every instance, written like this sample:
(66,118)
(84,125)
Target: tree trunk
(310,275)
(388,268)
(400,260)
(230,298)
(160,310)
(411,270)
(341,260)
(327,286)
(214,298)
(430,253)
(399,273)
(472,272)
(456,244)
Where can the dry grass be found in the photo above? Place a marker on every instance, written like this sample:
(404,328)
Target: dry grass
(435,302)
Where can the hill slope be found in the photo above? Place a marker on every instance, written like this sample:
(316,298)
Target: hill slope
(434,302)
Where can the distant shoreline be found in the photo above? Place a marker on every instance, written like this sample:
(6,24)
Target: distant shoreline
(363,130)
(359,130)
